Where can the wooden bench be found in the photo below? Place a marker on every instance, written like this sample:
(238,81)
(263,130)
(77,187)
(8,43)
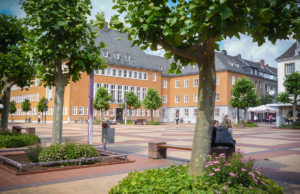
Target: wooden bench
(158,150)
(140,122)
(28,130)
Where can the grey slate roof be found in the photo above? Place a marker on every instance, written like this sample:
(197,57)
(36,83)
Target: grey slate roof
(141,60)
(289,53)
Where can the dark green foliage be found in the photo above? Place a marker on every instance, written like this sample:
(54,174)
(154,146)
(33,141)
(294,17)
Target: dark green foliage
(132,101)
(33,152)
(235,175)
(266,99)
(102,98)
(283,97)
(12,107)
(67,152)
(128,122)
(42,105)
(251,125)
(8,140)
(26,106)
(152,101)
(153,123)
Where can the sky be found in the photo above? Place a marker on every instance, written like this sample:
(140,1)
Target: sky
(234,46)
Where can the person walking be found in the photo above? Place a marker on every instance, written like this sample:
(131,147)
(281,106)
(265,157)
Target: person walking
(177,118)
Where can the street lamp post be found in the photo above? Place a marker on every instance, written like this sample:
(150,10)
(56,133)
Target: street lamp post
(125,110)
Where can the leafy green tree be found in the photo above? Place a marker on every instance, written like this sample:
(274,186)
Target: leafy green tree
(292,88)
(42,106)
(15,68)
(12,109)
(101,102)
(152,101)
(266,99)
(63,44)
(132,101)
(26,107)
(244,95)
(189,31)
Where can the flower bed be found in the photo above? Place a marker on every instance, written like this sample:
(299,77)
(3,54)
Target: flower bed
(9,140)
(221,175)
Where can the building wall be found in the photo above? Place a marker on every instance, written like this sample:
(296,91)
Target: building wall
(281,71)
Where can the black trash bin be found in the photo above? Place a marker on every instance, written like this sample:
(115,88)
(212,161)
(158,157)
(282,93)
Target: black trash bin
(108,133)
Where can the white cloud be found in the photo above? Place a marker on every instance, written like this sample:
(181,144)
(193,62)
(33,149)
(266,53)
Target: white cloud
(251,51)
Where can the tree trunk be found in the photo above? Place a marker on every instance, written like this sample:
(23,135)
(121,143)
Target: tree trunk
(151,115)
(5,110)
(295,109)
(60,82)
(206,105)
(238,115)
(245,115)
(42,117)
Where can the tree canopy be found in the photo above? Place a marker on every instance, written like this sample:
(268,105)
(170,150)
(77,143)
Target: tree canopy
(292,88)
(102,99)
(15,66)
(244,95)
(132,101)
(266,99)
(12,107)
(62,43)
(152,101)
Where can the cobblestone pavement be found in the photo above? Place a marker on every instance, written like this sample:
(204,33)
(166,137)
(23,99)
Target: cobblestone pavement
(275,150)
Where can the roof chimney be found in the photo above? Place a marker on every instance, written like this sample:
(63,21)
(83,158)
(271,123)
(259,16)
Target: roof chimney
(224,52)
(262,63)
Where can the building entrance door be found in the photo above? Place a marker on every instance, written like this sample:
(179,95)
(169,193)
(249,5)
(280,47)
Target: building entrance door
(119,114)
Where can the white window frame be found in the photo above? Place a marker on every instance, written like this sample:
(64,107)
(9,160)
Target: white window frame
(195,97)
(81,110)
(177,99)
(196,82)
(217,96)
(154,77)
(130,74)
(217,80)
(186,112)
(140,75)
(111,111)
(74,110)
(125,75)
(186,83)
(186,98)
(105,53)
(165,84)
(232,80)
(142,112)
(138,112)
(120,73)
(114,72)
(177,83)
(164,99)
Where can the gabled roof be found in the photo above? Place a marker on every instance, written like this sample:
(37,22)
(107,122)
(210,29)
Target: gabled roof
(290,52)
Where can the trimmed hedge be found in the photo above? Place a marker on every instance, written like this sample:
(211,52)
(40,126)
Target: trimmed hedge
(251,125)
(234,175)
(153,123)
(67,152)
(128,122)
(10,140)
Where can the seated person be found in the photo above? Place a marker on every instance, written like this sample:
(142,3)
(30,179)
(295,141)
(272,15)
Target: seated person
(223,137)
(214,132)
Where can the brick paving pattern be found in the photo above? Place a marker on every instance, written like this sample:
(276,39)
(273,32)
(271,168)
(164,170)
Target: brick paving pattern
(277,151)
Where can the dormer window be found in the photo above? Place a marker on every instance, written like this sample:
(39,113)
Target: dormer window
(105,53)
(117,55)
(128,57)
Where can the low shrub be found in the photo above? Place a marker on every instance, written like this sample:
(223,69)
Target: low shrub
(8,140)
(295,126)
(153,123)
(251,125)
(67,152)
(234,175)
(235,125)
(128,122)
(33,152)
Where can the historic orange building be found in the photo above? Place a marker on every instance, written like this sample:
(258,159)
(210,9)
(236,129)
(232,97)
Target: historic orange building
(129,68)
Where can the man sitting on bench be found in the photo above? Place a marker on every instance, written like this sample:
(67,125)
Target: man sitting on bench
(221,135)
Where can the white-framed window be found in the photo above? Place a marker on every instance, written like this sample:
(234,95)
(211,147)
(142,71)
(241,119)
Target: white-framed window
(217,96)
(176,99)
(105,53)
(289,68)
(165,83)
(147,112)
(157,113)
(195,97)
(140,75)
(128,57)
(135,75)
(218,80)
(144,93)
(102,71)
(108,72)
(145,76)
(217,112)
(186,112)
(130,74)
(111,112)
(186,98)
(177,84)
(137,112)
(138,92)
(164,99)
(87,111)
(81,110)
(195,112)
(120,72)
(186,83)
(49,93)
(117,55)
(260,85)
(131,112)
(114,72)
(196,82)
(232,80)
(125,73)
(142,112)
(154,77)
(163,112)
(74,110)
